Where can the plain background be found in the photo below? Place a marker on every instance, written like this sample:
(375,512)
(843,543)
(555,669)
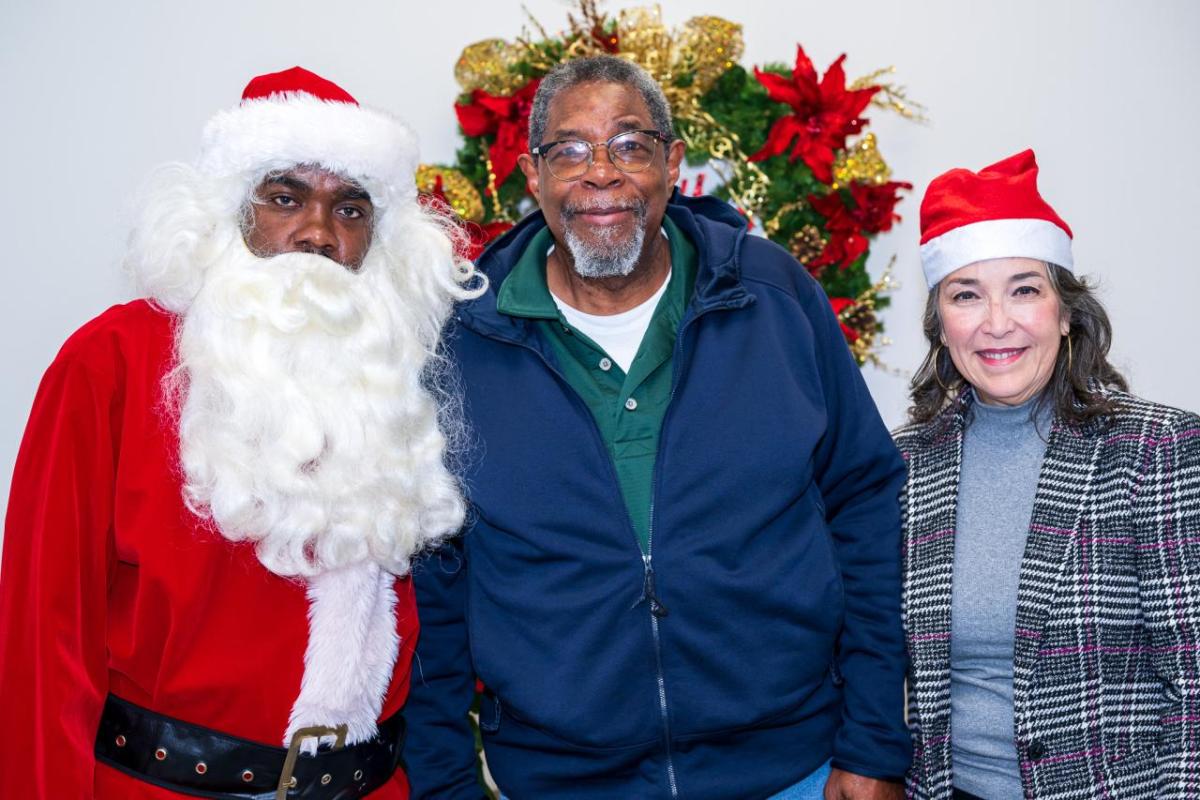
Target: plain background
(96,94)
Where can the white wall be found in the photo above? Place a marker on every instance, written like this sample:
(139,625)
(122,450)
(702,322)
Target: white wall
(95,94)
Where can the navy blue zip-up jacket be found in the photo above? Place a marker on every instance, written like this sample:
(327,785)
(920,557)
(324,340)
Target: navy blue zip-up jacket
(761,634)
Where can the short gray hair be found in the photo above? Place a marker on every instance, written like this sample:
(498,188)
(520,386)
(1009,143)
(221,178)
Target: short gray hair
(605,69)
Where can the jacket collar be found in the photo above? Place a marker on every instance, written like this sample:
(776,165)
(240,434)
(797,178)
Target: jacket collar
(714,227)
(1064,486)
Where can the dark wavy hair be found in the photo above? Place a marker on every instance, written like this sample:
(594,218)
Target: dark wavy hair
(1080,370)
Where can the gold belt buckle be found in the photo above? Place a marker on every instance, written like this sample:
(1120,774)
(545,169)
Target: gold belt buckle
(286,781)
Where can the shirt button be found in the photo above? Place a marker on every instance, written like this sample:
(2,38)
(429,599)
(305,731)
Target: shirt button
(1036,750)
(606,364)
(630,404)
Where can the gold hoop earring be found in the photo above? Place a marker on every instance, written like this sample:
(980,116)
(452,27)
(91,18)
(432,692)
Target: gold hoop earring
(1069,354)
(937,357)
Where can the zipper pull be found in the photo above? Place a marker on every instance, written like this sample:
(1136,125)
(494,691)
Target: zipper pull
(648,594)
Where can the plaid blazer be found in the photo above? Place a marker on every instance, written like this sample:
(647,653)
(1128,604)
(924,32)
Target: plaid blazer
(1106,670)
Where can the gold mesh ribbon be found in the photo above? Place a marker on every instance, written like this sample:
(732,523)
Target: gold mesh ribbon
(488,65)
(860,162)
(460,193)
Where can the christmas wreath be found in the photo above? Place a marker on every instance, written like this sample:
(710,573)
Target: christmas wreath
(775,142)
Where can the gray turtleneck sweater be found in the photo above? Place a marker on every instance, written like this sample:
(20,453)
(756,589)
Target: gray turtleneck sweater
(1002,456)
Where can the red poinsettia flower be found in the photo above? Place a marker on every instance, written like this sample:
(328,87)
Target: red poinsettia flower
(505,117)
(872,210)
(846,242)
(842,249)
(840,304)
(875,205)
(824,115)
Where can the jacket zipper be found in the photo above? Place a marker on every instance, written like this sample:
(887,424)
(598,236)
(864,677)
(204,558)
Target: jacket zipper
(649,594)
(657,611)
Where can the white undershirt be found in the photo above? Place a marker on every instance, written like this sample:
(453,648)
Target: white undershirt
(620,335)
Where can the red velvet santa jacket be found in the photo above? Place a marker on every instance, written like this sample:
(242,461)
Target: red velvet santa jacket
(109,584)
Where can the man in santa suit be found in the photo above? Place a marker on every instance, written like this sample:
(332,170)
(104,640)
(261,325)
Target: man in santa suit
(221,486)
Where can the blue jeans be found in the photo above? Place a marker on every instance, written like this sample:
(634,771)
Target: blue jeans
(812,787)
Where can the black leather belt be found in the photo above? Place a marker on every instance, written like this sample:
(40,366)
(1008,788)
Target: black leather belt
(194,760)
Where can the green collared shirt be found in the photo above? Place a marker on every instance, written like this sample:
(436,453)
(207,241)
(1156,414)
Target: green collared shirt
(628,408)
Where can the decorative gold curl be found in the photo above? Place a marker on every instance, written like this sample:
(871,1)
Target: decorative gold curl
(771,226)
(460,193)
(891,96)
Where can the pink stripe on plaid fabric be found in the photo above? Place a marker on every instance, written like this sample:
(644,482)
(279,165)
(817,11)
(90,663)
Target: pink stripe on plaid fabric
(929,537)
(1168,543)
(1106,649)
(1180,718)
(1088,540)
(1095,751)
(1154,441)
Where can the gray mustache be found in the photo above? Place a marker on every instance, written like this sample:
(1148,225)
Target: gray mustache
(581,208)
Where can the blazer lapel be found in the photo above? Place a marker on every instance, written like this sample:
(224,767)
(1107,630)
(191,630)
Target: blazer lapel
(1058,516)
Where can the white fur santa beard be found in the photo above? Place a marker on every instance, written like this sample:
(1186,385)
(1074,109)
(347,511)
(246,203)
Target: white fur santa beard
(305,428)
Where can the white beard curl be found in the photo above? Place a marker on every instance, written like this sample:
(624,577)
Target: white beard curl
(305,427)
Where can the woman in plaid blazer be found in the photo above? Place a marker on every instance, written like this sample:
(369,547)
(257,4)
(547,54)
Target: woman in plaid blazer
(1105,671)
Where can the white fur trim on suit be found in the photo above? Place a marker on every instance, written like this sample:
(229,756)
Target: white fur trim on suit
(351,653)
(995,238)
(279,132)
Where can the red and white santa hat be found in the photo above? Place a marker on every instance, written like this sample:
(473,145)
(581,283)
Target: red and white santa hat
(297,117)
(994,213)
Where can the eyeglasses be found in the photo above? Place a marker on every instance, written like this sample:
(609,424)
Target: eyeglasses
(570,159)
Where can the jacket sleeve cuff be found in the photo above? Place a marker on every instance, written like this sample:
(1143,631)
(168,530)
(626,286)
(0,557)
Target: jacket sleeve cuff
(866,770)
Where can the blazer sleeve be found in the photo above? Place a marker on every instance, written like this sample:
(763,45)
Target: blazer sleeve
(860,475)
(53,588)
(439,751)
(1166,511)
(918,768)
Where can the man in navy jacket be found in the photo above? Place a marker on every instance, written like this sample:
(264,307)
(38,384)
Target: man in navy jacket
(681,575)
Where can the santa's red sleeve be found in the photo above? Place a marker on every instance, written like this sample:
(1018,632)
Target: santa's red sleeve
(53,585)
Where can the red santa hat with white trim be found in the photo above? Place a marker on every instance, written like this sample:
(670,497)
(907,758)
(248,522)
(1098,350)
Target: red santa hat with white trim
(297,117)
(994,213)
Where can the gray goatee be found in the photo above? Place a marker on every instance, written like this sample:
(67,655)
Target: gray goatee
(612,253)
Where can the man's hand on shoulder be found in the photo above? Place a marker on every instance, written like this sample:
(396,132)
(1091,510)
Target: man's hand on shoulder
(844,785)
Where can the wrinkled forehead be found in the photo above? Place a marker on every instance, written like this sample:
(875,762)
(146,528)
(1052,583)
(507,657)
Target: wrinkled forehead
(593,108)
